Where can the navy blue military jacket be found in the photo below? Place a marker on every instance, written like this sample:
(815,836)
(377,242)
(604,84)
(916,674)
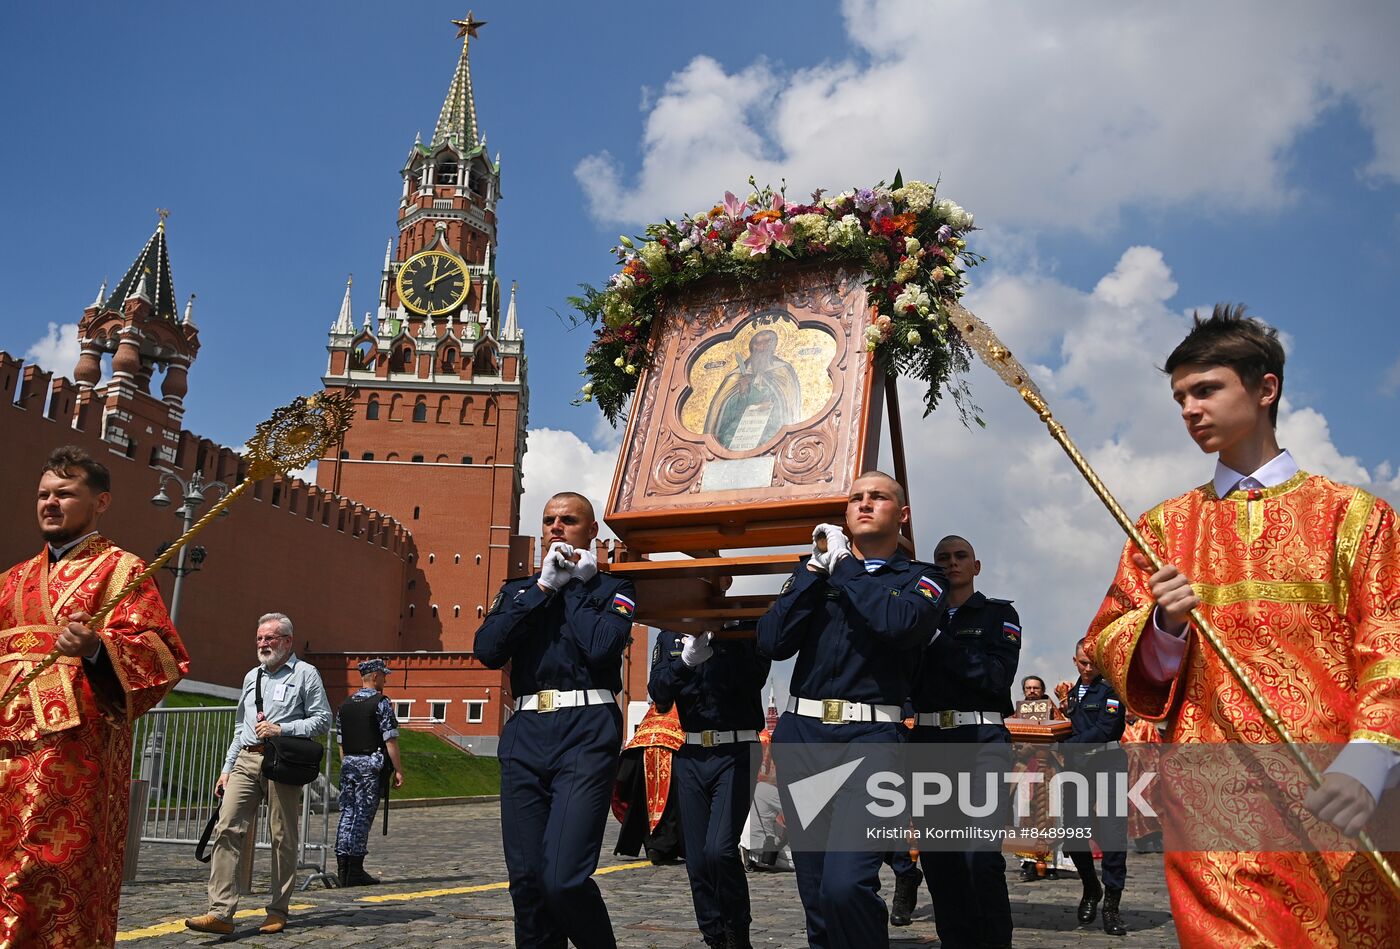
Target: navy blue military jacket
(971,666)
(1098,716)
(857,635)
(569,639)
(725,692)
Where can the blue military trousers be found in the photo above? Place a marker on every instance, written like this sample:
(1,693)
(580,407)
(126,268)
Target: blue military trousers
(716,787)
(557,772)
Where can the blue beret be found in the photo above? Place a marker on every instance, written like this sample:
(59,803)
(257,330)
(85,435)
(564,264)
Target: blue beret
(374,665)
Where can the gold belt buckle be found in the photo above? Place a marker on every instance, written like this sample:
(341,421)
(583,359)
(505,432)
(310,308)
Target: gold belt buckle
(545,701)
(833,711)
(707,738)
(947,719)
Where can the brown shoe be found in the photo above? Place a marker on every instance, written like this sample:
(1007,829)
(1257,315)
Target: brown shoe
(209,923)
(273,924)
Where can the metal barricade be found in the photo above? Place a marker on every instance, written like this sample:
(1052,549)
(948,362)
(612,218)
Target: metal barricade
(179,753)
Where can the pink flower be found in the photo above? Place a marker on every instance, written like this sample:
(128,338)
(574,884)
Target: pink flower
(733,207)
(762,235)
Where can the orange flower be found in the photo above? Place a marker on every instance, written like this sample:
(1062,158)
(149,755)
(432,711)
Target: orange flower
(776,216)
(634,268)
(904,223)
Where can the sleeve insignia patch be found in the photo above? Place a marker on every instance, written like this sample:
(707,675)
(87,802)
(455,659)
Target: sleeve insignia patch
(1111,706)
(929,588)
(787,585)
(624,605)
(1012,632)
(496,603)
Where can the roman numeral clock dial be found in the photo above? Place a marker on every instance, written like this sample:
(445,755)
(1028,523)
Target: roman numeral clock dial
(433,282)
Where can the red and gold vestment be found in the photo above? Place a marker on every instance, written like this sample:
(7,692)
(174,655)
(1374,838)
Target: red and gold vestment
(660,733)
(1302,580)
(65,742)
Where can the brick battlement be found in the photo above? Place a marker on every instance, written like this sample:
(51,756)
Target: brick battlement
(333,564)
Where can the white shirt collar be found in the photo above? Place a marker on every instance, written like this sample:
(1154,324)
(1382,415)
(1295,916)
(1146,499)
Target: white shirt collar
(58,552)
(1272,473)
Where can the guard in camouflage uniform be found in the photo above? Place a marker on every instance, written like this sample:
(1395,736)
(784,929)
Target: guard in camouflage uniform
(369,733)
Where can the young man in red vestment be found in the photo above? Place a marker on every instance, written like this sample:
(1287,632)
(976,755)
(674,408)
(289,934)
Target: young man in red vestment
(1301,575)
(65,741)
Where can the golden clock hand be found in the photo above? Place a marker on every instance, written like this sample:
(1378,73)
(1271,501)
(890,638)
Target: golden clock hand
(451,273)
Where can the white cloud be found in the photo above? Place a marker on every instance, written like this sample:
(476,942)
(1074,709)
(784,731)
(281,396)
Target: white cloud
(1390,382)
(57,351)
(1032,114)
(561,461)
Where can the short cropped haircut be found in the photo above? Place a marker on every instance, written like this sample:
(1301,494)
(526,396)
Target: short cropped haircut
(284,625)
(1229,338)
(69,459)
(574,496)
(952,538)
(898,488)
(1029,678)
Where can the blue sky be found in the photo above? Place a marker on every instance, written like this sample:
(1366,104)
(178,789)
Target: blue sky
(1127,162)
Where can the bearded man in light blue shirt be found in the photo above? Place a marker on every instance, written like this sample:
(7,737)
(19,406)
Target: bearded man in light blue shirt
(293,703)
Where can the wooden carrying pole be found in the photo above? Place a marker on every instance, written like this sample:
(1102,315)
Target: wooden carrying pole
(998,358)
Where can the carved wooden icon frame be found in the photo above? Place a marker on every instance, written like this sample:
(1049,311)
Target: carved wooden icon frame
(759,409)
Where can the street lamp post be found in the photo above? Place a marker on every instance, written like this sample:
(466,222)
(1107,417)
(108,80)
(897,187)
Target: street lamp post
(193,494)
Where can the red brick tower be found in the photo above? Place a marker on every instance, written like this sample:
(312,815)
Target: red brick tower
(138,324)
(441,404)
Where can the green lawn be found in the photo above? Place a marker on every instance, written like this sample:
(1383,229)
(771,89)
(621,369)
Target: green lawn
(432,767)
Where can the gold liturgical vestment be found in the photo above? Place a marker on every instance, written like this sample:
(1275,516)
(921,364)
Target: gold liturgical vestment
(1302,581)
(65,742)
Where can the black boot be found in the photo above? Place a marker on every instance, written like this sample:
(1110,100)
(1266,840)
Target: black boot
(1112,922)
(906,897)
(342,868)
(1029,873)
(355,873)
(737,938)
(1089,904)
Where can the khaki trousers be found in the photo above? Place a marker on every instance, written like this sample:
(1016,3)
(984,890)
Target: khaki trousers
(245,790)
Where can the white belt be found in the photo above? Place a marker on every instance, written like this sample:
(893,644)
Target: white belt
(954,719)
(709,738)
(551,699)
(839,711)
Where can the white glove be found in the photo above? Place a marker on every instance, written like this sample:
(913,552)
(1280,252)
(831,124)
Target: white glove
(696,649)
(837,546)
(558,566)
(587,566)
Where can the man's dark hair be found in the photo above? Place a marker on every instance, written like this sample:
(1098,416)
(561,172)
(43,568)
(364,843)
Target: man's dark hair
(1229,338)
(1029,678)
(70,458)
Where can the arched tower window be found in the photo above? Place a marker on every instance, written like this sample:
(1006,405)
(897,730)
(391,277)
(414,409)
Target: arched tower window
(484,361)
(396,407)
(444,410)
(488,415)
(367,456)
(420,409)
(372,408)
(449,360)
(446,170)
(402,360)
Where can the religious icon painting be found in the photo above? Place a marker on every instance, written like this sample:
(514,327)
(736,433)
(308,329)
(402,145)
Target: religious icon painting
(760,407)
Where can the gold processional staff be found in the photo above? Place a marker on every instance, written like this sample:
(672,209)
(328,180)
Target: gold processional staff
(998,358)
(293,437)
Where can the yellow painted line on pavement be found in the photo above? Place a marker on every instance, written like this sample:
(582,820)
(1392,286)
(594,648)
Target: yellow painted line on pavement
(178,925)
(480,887)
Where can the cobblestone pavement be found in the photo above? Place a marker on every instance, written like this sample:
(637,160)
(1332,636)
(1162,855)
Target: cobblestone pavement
(444,884)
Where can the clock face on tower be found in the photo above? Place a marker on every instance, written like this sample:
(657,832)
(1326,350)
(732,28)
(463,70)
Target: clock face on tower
(433,282)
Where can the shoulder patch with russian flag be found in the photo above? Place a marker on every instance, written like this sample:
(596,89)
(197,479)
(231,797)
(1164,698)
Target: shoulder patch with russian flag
(624,604)
(929,588)
(1111,706)
(1012,632)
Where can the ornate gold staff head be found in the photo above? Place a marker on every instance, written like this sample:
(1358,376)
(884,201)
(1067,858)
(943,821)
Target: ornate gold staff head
(997,357)
(298,434)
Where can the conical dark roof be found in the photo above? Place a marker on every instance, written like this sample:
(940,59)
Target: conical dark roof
(154,263)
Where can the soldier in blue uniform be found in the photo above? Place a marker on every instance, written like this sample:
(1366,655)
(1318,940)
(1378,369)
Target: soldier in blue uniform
(563,631)
(1096,713)
(961,696)
(857,615)
(716,686)
(369,733)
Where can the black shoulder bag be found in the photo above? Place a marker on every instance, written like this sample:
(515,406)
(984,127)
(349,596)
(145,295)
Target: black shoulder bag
(288,759)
